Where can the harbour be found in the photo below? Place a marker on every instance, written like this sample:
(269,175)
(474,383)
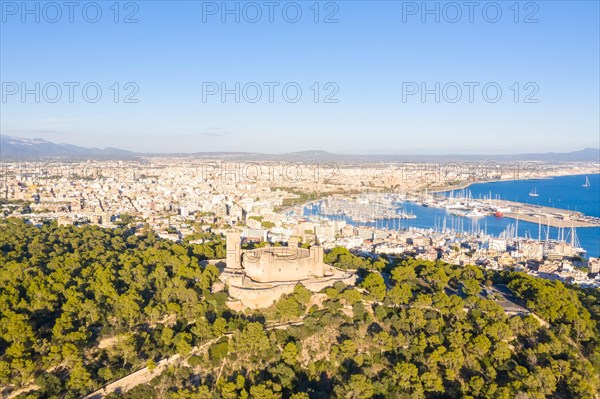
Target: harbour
(483,209)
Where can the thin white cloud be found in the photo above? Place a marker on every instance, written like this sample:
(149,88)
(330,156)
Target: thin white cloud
(216,132)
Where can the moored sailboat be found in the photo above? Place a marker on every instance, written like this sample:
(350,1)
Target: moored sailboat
(587,182)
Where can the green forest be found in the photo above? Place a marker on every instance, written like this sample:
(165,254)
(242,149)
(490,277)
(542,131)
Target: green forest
(82,307)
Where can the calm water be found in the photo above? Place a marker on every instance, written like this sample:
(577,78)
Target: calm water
(564,192)
(560,192)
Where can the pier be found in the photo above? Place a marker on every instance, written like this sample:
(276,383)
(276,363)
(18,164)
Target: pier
(548,216)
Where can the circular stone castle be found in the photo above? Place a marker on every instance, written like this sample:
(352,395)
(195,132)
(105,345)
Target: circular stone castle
(258,277)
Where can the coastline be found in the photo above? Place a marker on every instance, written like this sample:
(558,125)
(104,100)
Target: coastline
(541,177)
(555,216)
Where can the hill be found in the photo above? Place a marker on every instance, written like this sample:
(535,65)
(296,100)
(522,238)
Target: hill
(16,148)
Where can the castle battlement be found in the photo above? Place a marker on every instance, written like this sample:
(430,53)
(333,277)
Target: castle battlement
(259,276)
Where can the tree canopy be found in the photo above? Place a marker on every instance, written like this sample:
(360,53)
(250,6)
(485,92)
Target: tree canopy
(81,307)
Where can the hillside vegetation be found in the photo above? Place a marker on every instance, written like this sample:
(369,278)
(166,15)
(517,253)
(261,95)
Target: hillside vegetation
(81,307)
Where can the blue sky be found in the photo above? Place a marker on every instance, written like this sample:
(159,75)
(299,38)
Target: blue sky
(370,58)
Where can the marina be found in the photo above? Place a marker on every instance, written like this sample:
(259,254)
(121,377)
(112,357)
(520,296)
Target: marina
(554,217)
(481,210)
(365,208)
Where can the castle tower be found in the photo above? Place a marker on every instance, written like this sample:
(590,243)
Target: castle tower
(316,253)
(234,250)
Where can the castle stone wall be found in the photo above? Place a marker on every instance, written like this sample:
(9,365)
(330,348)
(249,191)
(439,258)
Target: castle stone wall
(261,276)
(278,264)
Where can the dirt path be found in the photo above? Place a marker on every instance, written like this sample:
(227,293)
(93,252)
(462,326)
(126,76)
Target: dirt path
(145,375)
(139,377)
(20,391)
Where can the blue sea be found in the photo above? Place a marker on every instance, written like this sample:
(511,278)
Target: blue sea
(564,192)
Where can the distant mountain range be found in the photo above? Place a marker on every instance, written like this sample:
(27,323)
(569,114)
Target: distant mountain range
(16,148)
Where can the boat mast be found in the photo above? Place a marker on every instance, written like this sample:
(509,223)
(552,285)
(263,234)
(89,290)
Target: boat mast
(572,236)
